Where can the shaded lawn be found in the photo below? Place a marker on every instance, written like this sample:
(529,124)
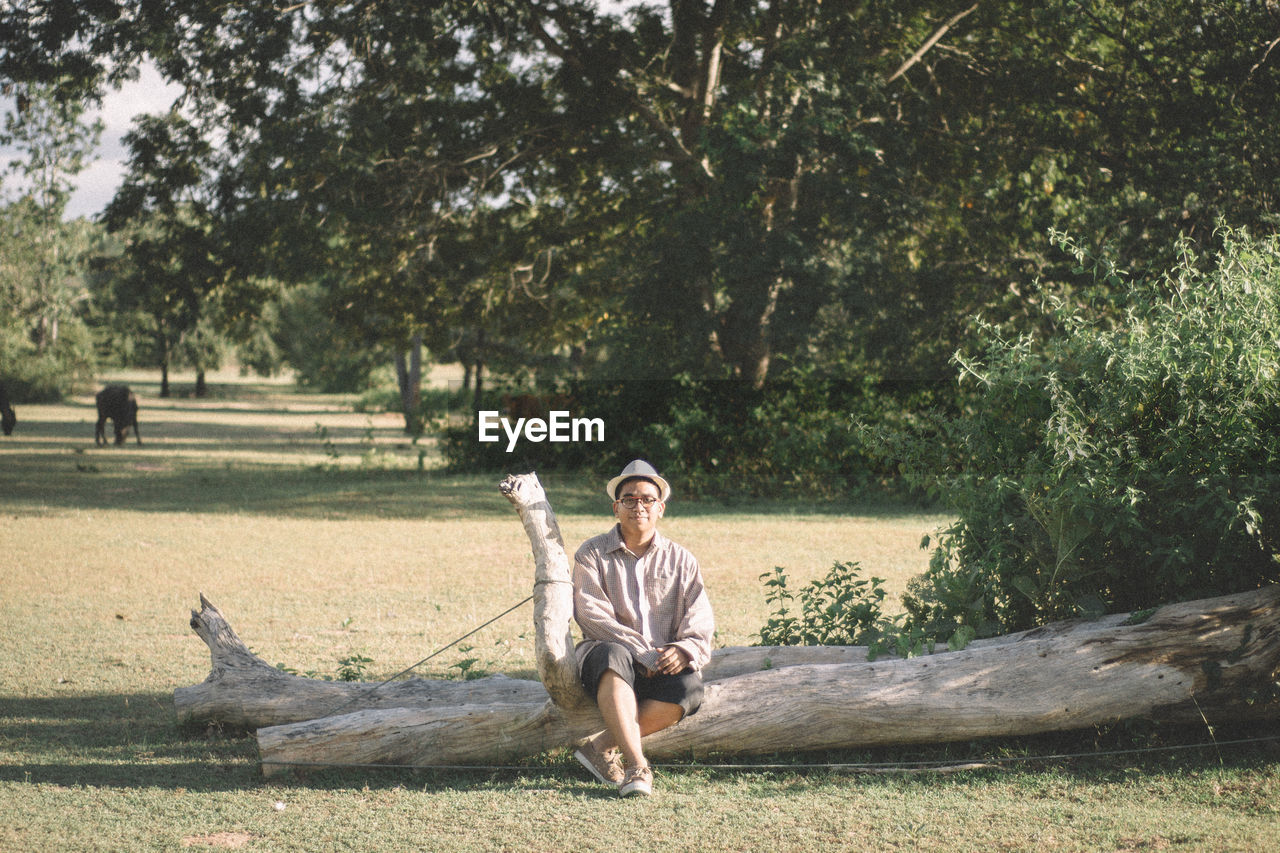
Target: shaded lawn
(112,772)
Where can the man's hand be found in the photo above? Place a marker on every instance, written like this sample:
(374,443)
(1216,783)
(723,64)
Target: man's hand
(671,660)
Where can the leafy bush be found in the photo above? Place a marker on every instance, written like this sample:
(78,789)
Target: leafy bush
(44,377)
(841,609)
(1113,464)
(307,337)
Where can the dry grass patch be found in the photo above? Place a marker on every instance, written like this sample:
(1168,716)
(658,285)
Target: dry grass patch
(229,840)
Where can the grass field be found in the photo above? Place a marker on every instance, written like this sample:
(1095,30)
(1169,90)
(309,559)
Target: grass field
(324,534)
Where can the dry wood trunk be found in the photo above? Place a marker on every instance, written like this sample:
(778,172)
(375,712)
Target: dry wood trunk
(552,593)
(244,691)
(1185,662)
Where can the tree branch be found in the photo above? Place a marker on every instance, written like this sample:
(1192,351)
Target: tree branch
(932,40)
(1266,53)
(670,140)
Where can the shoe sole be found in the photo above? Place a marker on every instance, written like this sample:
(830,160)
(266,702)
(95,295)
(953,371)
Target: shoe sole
(586,762)
(635,790)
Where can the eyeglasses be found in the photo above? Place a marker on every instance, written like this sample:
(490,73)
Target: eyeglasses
(630,503)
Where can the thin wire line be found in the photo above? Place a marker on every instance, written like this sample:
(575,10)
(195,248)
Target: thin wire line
(364,695)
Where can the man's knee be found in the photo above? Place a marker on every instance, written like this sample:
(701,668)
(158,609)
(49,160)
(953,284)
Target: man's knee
(607,660)
(668,713)
(611,682)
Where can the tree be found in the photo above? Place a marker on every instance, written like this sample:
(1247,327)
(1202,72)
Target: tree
(756,185)
(48,256)
(1130,124)
(1120,460)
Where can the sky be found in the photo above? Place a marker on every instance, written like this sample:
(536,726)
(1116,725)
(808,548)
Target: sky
(99,182)
(96,185)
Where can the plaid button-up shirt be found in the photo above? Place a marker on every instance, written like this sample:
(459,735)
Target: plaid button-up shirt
(644,603)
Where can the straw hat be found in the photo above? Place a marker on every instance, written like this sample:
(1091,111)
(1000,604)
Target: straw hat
(642,469)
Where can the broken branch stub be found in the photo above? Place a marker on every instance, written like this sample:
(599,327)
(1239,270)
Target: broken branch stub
(552,593)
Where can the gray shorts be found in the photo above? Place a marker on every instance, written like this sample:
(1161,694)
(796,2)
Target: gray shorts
(683,688)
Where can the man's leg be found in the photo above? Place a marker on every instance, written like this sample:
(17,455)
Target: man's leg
(628,720)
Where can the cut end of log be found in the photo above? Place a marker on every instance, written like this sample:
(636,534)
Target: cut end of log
(522,488)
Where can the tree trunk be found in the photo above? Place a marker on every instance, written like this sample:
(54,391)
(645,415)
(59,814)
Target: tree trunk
(552,593)
(1185,662)
(244,691)
(164,366)
(409,380)
(477,374)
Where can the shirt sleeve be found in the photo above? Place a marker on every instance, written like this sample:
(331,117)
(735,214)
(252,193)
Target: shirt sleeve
(596,616)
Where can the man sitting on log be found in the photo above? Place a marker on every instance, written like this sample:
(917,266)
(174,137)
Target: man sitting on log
(647,626)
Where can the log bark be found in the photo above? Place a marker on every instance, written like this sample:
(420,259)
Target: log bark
(1188,661)
(244,691)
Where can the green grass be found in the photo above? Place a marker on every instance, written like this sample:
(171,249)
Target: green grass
(322,544)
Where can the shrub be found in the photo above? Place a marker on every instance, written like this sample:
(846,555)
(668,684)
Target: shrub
(841,609)
(1113,464)
(44,377)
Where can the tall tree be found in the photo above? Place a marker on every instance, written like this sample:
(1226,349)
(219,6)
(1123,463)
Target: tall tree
(54,144)
(173,268)
(727,185)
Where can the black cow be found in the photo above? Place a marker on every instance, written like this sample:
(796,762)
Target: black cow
(119,404)
(7,418)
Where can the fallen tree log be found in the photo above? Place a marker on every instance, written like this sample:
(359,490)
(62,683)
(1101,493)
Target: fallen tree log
(244,691)
(1187,661)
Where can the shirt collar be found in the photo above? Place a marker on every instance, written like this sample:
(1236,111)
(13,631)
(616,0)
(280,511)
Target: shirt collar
(615,542)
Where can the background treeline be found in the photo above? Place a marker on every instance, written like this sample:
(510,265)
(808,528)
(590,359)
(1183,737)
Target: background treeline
(734,229)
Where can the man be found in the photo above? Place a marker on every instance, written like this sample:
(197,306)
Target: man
(647,626)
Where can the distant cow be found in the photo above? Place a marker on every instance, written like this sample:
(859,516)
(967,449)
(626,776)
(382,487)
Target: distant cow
(119,404)
(7,418)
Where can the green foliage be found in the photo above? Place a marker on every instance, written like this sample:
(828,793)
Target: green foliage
(45,348)
(468,667)
(34,376)
(308,338)
(353,667)
(840,609)
(525,183)
(1127,458)
(331,452)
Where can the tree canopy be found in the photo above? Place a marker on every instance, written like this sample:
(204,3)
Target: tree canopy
(718,188)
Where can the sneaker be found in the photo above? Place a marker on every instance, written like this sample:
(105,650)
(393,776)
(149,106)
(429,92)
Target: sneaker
(638,782)
(605,765)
